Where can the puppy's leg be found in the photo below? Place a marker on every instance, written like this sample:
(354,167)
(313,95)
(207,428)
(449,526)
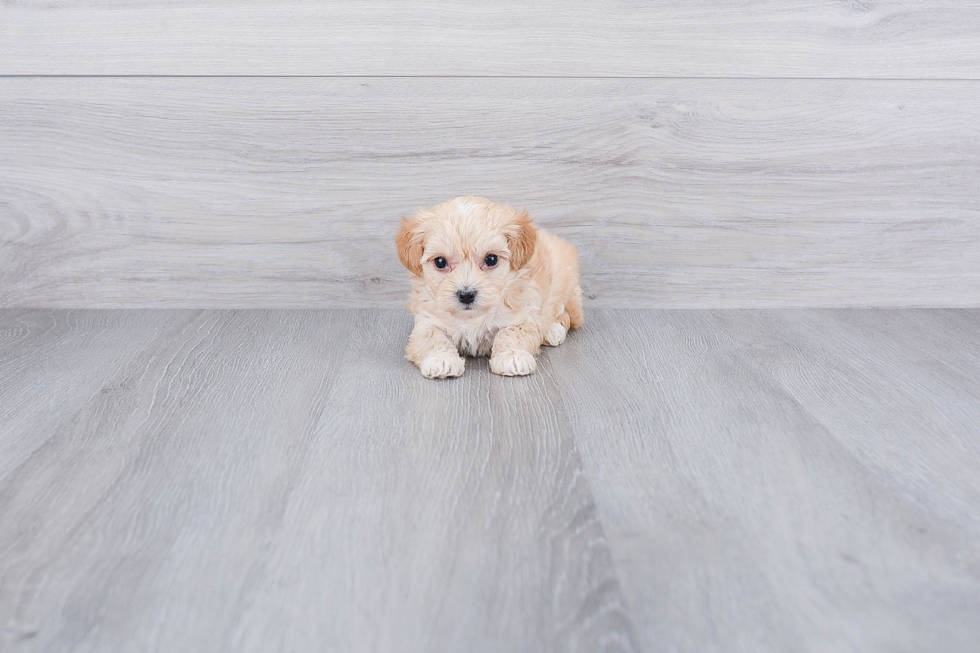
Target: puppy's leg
(429,347)
(557,331)
(573,307)
(514,348)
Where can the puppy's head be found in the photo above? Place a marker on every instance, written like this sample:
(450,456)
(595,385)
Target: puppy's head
(465,252)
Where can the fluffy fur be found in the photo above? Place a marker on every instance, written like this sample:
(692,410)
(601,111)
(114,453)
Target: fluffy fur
(531,297)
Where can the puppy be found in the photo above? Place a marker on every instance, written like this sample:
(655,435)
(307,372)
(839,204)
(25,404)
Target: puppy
(485,281)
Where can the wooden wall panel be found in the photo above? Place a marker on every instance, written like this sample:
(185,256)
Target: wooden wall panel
(286,192)
(703,38)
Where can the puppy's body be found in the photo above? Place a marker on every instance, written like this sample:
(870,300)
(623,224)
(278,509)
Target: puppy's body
(529,296)
(542,293)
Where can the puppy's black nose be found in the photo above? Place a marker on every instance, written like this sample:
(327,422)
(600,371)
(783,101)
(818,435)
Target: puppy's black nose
(466,296)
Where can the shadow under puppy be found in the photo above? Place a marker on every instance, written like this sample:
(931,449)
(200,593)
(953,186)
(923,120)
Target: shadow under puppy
(486,281)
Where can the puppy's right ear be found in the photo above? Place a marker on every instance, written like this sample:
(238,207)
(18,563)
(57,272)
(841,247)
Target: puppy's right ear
(410,246)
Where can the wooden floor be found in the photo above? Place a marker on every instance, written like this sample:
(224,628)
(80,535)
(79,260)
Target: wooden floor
(753,480)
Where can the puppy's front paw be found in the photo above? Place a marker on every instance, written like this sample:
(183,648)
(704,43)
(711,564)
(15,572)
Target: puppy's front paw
(512,363)
(441,365)
(555,336)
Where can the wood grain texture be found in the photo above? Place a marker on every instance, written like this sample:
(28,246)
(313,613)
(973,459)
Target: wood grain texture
(283,481)
(758,38)
(678,193)
(785,480)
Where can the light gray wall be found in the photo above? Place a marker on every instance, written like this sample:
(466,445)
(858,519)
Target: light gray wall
(710,154)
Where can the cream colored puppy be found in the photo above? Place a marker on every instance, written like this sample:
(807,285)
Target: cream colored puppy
(485,281)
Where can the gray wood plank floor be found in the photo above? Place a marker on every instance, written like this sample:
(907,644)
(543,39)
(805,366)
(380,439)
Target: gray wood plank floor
(668,481)
(286,193)
(700,38)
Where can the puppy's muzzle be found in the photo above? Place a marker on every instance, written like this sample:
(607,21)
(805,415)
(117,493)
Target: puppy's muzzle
(466,296)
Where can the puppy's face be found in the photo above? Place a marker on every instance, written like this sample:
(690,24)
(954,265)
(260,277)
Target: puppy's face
(465,252)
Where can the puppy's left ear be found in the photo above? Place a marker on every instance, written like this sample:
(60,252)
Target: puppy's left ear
(410,246)
(522,241)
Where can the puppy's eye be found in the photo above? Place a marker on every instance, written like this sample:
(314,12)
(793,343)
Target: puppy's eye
(441,263)
(490,261)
